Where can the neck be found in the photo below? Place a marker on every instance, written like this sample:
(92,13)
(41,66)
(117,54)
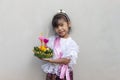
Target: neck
(66,36)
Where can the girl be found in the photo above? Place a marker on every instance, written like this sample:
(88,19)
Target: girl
(60,67)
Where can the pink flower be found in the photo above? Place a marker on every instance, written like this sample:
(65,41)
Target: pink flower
(41,38)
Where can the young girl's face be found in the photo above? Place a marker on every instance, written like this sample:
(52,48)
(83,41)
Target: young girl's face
(63,28)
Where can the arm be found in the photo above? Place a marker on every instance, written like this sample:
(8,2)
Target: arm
(58,61)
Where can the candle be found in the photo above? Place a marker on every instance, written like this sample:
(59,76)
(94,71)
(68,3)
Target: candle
(41,38)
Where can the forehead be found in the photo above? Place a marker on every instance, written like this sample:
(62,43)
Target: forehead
(61,21)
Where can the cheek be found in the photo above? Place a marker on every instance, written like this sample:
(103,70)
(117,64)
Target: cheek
(56,30)
(67,28)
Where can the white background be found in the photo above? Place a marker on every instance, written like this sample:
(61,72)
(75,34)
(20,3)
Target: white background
(95,27)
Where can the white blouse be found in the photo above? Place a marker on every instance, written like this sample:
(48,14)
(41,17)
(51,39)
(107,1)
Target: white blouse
(69,49)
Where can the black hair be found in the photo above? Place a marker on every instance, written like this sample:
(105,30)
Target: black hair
(59,16)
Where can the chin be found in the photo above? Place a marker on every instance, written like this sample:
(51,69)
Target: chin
(61,35)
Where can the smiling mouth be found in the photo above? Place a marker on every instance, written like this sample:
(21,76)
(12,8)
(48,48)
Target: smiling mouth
(61,32)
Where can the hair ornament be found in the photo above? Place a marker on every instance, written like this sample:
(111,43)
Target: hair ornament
(61,11)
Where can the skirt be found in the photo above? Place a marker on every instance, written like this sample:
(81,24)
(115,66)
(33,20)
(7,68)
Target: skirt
(50,76)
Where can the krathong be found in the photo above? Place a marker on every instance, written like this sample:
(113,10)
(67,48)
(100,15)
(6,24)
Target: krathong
(43,51)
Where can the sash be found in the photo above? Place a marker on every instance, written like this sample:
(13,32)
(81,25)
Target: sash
(63,69)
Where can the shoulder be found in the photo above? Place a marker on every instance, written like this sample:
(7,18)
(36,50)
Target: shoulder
(72,42)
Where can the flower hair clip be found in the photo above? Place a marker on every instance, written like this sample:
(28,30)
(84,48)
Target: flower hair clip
(61,11)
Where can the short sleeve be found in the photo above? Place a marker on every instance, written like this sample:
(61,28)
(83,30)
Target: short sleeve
(71,52)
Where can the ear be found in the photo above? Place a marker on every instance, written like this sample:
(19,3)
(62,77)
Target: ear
(69,24)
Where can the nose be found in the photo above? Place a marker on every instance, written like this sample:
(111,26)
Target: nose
(59,27)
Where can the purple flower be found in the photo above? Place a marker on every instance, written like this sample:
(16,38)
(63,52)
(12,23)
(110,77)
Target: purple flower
(46,40)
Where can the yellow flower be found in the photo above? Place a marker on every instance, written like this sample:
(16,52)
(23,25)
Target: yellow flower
(43,48)
(47,48)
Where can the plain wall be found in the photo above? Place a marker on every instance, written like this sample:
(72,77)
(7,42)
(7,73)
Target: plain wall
(95,27)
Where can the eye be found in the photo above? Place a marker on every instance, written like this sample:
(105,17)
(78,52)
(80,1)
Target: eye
(61,24)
